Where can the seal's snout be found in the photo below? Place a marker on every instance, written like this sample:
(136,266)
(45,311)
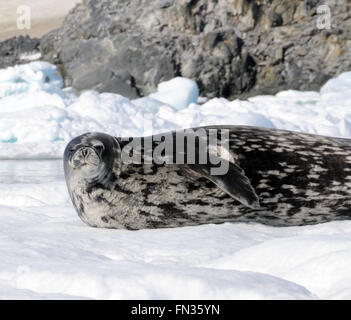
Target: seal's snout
(85,155)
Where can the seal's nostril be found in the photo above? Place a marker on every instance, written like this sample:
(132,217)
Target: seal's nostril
(85,152)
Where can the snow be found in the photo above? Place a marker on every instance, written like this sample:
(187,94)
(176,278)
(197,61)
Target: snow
(36,111)
(31,56)
(178,92)
(47,252)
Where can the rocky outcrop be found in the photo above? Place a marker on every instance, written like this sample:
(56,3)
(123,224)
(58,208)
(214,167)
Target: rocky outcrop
(19,50)
(230,48)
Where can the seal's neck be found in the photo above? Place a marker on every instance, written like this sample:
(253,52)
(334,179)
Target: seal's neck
(106,179)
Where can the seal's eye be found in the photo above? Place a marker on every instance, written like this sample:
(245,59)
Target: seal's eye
(71,150)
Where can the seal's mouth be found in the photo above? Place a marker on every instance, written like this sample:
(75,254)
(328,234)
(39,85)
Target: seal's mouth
(79,166)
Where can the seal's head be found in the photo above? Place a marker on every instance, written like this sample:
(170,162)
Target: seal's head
(90,157)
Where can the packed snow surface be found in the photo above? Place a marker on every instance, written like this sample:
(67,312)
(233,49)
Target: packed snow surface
(46,251)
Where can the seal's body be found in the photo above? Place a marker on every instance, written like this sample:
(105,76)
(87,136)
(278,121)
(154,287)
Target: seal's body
(274,177)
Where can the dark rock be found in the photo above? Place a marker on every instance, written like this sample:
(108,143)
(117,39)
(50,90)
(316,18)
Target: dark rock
(276,19)
(230,48)
(15,50)
(128,49)
(311,4)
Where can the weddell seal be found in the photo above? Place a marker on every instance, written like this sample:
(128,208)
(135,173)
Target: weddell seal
(180,178)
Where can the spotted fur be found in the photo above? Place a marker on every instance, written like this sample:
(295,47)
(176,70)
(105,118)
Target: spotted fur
(299,179)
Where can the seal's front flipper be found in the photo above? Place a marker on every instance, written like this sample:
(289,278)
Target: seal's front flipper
(235,183)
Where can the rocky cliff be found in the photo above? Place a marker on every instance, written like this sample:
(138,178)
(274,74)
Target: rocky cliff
(230,47)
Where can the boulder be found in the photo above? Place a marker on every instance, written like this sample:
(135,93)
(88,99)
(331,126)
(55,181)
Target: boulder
(230,48)
(18,50)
